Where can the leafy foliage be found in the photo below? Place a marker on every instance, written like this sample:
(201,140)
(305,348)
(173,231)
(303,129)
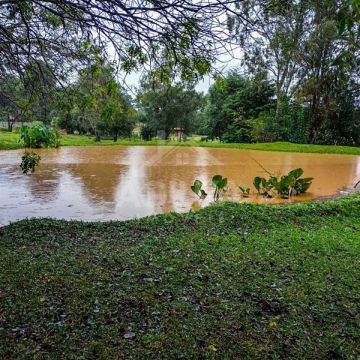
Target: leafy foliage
(220,185)
(165,107)
(39,136)
(96,103)
(232,101)
(198,190)
(287,186)
(170,37)
(310,50)
(29,162)
(245,191)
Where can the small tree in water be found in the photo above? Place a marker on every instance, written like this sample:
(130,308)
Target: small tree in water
(29,162)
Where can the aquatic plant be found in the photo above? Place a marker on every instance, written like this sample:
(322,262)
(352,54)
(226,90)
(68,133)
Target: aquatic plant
(245,191)
(29,162)
(287,186)
(263,186)
(198,190)
(218,182)
(220,185)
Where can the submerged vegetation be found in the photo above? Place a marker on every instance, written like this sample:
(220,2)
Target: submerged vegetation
(230,281)
(198,190)
(220,185)
(29,162)
(245,191)
(287,186)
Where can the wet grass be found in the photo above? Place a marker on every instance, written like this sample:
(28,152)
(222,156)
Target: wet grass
(10,141)
(233,281)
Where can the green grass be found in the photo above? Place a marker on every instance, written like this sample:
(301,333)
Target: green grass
(233,281)
(11,141)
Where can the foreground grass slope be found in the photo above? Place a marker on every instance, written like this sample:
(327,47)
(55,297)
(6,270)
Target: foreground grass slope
(9,141)
(231,281)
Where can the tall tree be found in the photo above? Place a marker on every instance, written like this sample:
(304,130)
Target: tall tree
(40,89)
(12,95)
(298,43)
(30,99)
(234,100)
(167,107)
(96,102)
(272,38)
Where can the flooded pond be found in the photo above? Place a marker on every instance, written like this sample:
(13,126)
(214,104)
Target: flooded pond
(118,182)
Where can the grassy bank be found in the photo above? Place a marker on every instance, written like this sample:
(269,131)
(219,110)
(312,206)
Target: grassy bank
(231,281)
(10,141)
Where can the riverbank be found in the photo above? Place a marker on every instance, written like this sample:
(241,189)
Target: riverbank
(231,281)
(10,141)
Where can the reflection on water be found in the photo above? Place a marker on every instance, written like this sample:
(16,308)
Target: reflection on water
(101,183)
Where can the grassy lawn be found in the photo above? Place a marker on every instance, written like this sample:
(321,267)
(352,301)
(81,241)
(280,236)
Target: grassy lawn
(11,141)
(233,281)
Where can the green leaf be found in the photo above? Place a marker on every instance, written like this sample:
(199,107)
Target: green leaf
(216,180)
(245,190)
(196,187)
(257,182)
(224,183)
(296,173)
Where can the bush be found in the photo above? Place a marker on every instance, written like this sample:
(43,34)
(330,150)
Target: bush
(147,133)
(39,136)
(237,132)
(29,162)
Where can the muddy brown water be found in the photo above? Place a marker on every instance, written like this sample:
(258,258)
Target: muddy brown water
(119,182)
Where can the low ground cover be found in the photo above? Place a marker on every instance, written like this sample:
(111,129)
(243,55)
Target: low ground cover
(9,141)
(231,281)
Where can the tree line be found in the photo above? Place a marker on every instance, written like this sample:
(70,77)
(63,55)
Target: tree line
(298,79)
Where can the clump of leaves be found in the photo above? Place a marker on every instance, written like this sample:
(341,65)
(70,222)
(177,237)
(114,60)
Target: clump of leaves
(29,162)
(245,191)
(39,136)
(198,190)
(220,185)
(287,186)
(263,186)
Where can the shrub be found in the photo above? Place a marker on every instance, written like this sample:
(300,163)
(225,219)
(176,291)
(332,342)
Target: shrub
(287,186)
(29,162)
(39,136)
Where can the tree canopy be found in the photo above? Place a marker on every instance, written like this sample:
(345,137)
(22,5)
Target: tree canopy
(298,79)
(164,108)
(187,34)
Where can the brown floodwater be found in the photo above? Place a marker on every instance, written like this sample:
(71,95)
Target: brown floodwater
(119,182)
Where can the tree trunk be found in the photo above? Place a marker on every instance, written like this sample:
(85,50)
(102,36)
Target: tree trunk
(278,100)
(315,120)
(97,138)
(10,124)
